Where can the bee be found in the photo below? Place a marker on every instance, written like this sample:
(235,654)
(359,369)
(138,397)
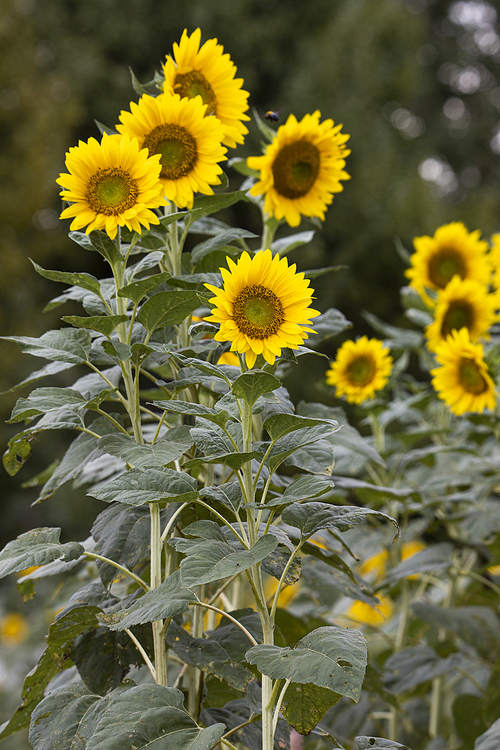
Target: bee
(272,116)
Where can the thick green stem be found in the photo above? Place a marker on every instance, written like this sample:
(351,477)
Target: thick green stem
(194,674)
(268,234)
(156,577)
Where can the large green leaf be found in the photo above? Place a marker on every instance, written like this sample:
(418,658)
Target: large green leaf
(329,657)
(138,289)
(195,410)
(304,705)
(83,280)
(121,534)
(205,205)
(478,626)
(317,458)
(251,385)
(229,494)
(208,561)
(299,438)
(168,309)
(160,453)
(105,324)
(436,557)
(303,487)
(66,628)
(138,487)
(279,425)
(289,243)
(36,547)
(169,599)
(311,517)
(66,345)
(43,400)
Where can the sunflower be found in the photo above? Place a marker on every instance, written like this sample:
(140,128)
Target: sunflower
(360,369)
(229,358)
(452,251)
(462,304)
(365,614)
(112,183)
(209,73)
(188,143)
(263,307)
(462,381)
(301,168)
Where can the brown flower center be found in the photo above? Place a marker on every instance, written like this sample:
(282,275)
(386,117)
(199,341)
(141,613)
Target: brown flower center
(460,314)
(177,147)
(258,312)
(361,371)
(471,378)
(444,265)
(111,191)
(295,169)
(194,84)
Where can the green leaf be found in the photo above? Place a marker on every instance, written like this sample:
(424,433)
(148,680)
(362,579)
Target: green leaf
(228,494)
(36,547)
(208,561)
(33,690)
(490,739)
(117,349)
(206,367)
(139,289)
(311,517)
(353,483)
(122,534)
(170,218)
(412,666)
(43,400)
(317,272)
(51,368)
(17,453)
(66,345)
(219,240)
(329,657)
(169,599)
(436,557)
(289,443)
(492,697)
(287,244)
(329,324)
(328,569)
(105,324)
(478,626)
(303,487)
(304,705)
(196,410)
(205,205)
(279,425)
(168,309)
(83,280)
(160,453)
(378,743)
(317,458)
(251,385)
(138,487)
(234,460)
(81,451)
(275,563)
(66,628)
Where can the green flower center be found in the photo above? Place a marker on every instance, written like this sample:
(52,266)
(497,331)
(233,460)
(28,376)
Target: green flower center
(361,371)
(444,265)
(295,169)
(177,147)
(460,314)
(194,84)
(258,312)
(471,378)
(111,191)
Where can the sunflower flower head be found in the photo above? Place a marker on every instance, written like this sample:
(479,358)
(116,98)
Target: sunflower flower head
(263,306)
(110,184)
(452,251)
(361,368)
(208,73)
(188,143)
(301,169)
(364,614)
(463,380)
(463,303)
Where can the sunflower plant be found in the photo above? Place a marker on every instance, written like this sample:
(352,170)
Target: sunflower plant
(213,482)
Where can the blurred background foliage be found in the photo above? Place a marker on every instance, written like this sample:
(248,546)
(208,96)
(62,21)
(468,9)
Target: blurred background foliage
(415,83)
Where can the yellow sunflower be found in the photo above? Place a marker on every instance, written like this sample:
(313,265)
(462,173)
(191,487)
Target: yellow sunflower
(365,614)
(187,142)
(301,168)
(209,73)
(463,381)
(360,369)
(229,358)
(263,307)
(110,184)
(452,251)
(462,304)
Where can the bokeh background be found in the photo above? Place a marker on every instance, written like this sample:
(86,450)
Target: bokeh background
(415,83)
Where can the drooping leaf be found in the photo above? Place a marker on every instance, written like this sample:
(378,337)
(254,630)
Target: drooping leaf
(83,280)
(168,309)
(36,547)
(304,705)
(17,453)
(51,368)
(138,487)
(234,460)
(311,517)
(275,564)
(329,657)
(104,324)
(160,453)
(43,400)
(66,345)
(208,561)
(251,385)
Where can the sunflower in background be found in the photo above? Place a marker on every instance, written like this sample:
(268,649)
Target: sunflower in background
(187,143)
(110,184)
(210,74)
(263,306)
(361,368)
(364,614)
(452,251)
(463,303)
(14,629)
(463,380)
(301,169)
